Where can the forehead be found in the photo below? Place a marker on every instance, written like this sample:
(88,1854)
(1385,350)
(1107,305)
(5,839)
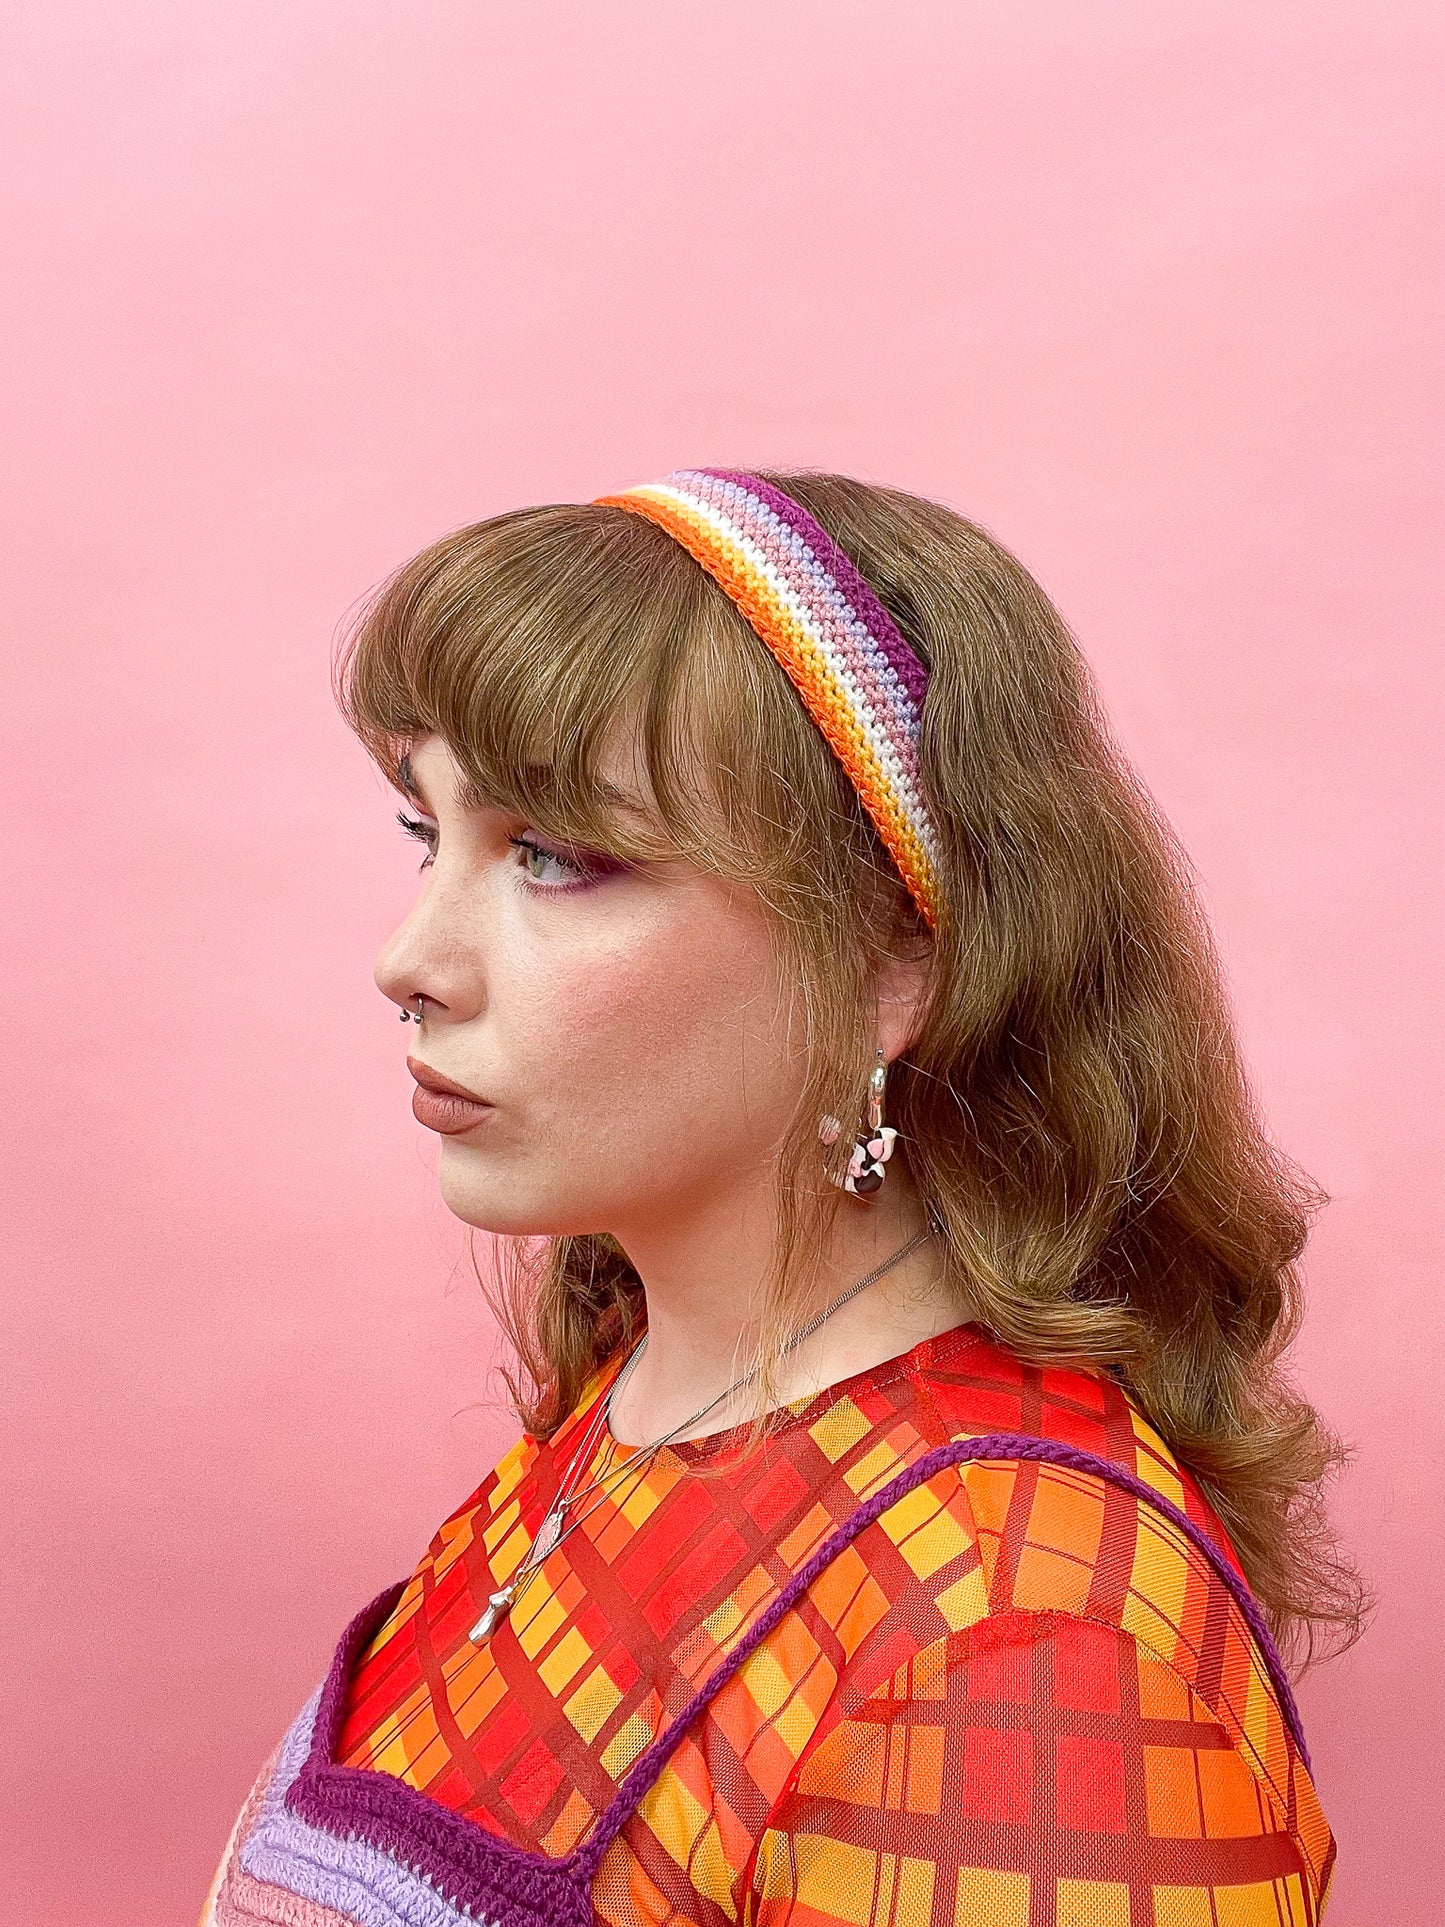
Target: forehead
(439,771)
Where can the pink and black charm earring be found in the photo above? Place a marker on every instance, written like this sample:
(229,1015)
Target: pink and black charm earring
(865,1173)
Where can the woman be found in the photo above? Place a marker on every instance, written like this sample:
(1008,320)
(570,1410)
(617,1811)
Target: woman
(909,1514)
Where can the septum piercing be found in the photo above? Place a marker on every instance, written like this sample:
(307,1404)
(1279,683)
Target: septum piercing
(414,1016)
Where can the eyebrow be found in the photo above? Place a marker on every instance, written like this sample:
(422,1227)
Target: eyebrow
(410,787)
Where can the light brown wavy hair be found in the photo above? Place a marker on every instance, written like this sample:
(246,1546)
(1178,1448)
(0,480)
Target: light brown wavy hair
(1072,1106)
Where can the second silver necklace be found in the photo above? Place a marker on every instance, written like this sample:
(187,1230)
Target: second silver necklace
(551,1533)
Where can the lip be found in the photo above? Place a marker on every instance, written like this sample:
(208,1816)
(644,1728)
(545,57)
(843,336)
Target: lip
(443,1106)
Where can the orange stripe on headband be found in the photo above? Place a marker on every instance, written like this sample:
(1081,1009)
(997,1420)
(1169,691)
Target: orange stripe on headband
(857,676)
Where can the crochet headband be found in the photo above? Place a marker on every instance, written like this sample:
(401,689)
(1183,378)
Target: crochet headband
(859,680)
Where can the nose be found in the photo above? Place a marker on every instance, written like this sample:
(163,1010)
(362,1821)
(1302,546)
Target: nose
(395,972)
(429,955)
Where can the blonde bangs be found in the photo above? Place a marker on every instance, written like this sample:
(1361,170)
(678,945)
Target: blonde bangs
(537,642)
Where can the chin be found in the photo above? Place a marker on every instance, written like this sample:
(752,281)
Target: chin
(478,1201)
(475,1193)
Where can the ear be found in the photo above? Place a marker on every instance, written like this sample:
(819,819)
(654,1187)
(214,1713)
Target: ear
(903,985)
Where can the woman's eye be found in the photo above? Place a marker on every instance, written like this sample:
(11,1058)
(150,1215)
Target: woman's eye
(552,870)
(424,832)
(570,875)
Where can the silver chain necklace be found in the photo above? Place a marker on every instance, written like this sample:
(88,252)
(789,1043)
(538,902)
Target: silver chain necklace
(552,1532)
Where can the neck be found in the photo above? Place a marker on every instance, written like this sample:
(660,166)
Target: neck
(701,1273)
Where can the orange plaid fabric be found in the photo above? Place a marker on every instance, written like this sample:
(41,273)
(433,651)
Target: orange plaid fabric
(1021,1698)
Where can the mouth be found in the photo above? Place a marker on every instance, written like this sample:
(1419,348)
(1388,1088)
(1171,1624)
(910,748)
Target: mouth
(442,1105)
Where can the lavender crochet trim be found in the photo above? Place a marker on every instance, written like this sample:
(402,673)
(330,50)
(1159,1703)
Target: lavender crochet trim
(476,1871)
(492,1880)
(347,1878)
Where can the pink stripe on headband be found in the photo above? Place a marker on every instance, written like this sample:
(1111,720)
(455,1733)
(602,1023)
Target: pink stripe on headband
(857,676)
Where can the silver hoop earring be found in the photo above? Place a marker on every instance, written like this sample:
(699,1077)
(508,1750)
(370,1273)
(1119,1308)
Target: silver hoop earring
(872,1150)
(414,1016)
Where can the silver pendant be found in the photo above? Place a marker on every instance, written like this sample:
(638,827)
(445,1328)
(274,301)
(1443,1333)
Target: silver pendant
(548,1534)
(499,1604)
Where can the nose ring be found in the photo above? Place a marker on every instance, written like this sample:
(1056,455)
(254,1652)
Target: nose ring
(414,1016)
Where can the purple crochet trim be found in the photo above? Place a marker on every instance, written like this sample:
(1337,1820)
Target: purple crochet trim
(859,591)
(992,1445)
(487,1875)
(478,1871)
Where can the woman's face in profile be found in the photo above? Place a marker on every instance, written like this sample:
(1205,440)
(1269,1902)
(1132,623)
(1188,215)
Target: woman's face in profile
(625,1023)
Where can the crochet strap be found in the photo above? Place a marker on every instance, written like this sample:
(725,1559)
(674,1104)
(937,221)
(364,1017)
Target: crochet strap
(992,1445)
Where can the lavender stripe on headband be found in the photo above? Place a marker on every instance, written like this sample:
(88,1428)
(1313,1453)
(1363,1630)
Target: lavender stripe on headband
(858,678)
(855,587)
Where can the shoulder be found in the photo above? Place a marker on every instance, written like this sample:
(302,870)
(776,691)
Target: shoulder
(1040,1768)
(1051,1610)
(1089,1516)
(1028,1487)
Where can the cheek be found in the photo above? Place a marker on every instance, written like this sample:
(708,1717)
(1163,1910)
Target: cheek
(681,1028)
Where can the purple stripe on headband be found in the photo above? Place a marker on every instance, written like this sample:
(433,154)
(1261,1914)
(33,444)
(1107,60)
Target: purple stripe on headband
(806,576)
(855,587)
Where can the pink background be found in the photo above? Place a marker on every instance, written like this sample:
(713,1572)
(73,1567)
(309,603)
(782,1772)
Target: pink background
(1154,292)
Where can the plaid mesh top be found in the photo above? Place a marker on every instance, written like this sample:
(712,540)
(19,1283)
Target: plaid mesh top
(1022,1697)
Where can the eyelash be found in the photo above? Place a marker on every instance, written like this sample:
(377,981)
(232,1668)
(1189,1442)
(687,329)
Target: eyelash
(425,832)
